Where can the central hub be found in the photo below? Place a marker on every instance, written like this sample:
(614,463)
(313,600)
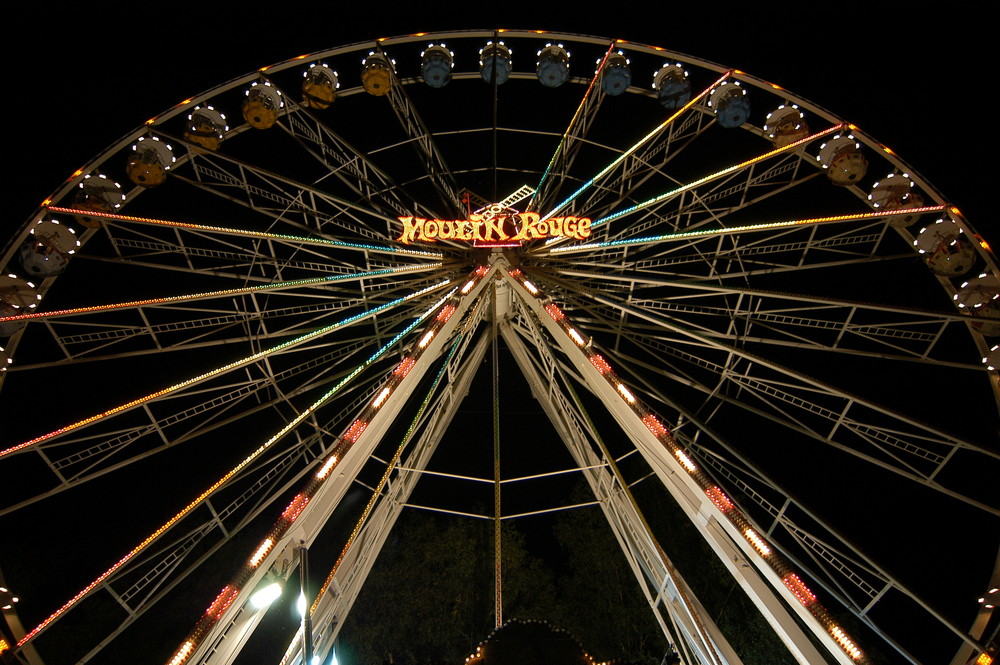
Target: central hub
(495,225)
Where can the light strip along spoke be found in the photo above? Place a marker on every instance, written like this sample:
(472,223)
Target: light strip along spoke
(298,240)
(718,174)
(751,481)
(659,128)
(80,341)
(739,191)
(892,337)
(687,483)
(644,165)
(660,351)
(248,256)
(191,333)
(461,340)
(221,370)
(278,286)
(782,295)
(765,255)
(747,228)
(565,152)
(87,455)
(880,437)
(320,495)
(844,566)
(232,472)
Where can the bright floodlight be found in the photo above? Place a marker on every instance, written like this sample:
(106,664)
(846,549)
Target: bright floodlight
(266,595)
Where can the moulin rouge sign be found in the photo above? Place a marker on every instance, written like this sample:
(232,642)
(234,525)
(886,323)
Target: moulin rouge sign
(492,228)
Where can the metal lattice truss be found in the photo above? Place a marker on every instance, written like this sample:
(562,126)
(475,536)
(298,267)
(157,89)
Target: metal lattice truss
(732,327)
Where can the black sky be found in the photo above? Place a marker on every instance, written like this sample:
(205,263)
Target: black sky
(85,77)
(89,75)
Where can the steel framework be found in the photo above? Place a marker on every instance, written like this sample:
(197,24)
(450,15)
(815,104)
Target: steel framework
(740,318)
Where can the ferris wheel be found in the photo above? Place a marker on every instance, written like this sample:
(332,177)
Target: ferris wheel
(283,287)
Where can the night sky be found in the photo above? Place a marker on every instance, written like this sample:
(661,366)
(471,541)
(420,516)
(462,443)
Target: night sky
(915,82)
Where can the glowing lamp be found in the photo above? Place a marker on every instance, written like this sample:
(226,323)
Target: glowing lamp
(653,424)
(722,502)
(327,467)
(845,642)
(626,393)
(686,461)
(264,596)
(446,313)
(381,397)
(758,543)
(182,653)
(262,551)
(798,587)
(296,507)
(222,601)
(600,363)
(404,367)
(355,430)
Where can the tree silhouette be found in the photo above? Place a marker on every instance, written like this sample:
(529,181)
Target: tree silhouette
(429,597)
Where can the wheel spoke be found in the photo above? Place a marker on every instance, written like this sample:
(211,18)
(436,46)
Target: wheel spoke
(674,193)
(346,163)
(416,129)
(249,341)
(808,406)
(570,143)
(243,362)
(294,241)
(690,238)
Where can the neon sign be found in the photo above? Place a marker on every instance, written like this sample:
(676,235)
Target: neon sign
(493,229)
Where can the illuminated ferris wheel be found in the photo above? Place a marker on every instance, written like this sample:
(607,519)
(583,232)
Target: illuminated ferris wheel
(301,270)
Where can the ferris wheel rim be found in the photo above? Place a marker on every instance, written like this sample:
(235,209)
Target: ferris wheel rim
(236,83)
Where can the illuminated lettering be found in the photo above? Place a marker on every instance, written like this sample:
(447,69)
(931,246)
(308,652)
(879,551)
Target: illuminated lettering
(410,229)
(529,227)
(516,227)
(495,225)
(476,226)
